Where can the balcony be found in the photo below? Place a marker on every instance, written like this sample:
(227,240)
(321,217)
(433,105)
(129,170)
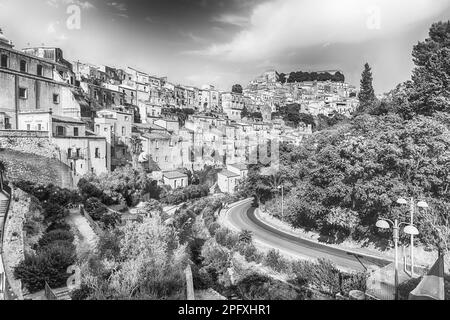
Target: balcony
(76,156)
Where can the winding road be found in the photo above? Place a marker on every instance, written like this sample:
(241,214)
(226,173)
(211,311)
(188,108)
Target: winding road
(242,217)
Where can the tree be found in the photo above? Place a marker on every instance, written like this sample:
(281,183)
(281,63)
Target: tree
(431,76)
(135,145)
(367,94)
(142,261)
(237,88)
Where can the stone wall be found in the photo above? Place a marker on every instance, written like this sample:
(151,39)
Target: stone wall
(37,143)
(13,244)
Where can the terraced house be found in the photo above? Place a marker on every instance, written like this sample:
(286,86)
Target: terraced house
(35,79)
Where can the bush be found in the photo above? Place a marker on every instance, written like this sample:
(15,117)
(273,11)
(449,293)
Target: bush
(226,238)
(82,293)
(322,275)
(31,228)
(110,220)
(354,281)
(47,265)
(59,225)
(260,287)
(275,261)
(202,278)
(55,235)
(54,212)
(95,208)
(251,254)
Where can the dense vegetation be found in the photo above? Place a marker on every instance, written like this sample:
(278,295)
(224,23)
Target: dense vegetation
(54,252)
(346,177)
(301,76)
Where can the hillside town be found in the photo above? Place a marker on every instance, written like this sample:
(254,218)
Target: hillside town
(91,113)
(117,183)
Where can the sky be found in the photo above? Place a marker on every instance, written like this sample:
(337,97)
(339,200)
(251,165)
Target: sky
(225,42)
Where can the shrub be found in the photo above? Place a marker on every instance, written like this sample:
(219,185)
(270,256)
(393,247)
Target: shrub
(202,278)
(31,228)
(260,287)
(322,275)
(95,208)
(59,225)
(251,254)
(275,261)
(213,228)
(354,281)
(82,293)
(109,244)
(55,235)
(226,238)
(54,212)
(246,236)
(47,265)
(110,220)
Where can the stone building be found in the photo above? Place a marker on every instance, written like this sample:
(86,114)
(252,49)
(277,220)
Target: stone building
(37,82)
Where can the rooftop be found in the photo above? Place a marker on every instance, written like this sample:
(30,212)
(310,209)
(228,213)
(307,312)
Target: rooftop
(228,174)
(239,166)
(66,120)
(174,175)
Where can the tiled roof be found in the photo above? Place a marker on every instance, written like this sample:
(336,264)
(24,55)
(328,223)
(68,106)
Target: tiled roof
(174,175)
(239,166)
(66,120)
(228,174)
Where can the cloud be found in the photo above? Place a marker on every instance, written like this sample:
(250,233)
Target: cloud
(232,19)
(283,25)
(119,6)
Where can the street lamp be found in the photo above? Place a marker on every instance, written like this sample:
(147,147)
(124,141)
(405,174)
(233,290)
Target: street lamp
(409,229)
(281,187)
(420,204)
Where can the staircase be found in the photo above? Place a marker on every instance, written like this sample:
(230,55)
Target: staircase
(62,294)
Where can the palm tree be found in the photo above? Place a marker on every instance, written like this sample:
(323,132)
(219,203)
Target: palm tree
(246,236)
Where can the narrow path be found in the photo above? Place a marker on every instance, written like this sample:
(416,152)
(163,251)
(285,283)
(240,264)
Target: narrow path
(87,237)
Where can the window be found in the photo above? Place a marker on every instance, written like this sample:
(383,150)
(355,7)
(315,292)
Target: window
(28,127)
(175,184)
(23,93)
(123,152)
(69,153)
(78,153)
(97,153)
(59,131)
(39,127)
(182,183)
(124,131)
(23,66)
(40,70)
(56,98)
(75,132)
(4,61)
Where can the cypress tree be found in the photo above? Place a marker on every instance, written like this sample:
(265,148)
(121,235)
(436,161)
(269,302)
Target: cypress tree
(367,94)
